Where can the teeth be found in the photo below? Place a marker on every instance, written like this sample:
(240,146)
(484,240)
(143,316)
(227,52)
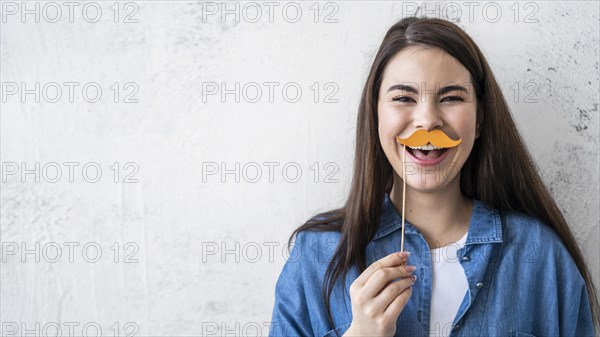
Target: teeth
(426,147)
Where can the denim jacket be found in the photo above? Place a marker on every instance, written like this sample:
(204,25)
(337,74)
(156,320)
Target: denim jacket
(522,280)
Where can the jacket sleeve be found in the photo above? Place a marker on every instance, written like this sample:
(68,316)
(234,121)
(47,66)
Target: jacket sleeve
(575,315)
(578,317)
(290,313)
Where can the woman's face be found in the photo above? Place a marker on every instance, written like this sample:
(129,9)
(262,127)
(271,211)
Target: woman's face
(412,97)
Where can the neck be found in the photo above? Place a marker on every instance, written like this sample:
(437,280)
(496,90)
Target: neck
(442,216)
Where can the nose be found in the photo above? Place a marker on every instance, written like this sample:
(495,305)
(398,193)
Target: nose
(427,116)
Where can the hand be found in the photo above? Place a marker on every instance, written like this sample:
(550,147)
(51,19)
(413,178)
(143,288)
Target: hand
(378,298)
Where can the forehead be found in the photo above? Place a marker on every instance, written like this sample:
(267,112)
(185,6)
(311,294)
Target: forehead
(429,65)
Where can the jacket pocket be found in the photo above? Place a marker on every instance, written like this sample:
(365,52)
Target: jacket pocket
(521,334)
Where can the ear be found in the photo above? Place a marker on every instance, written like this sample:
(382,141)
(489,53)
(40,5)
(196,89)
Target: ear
(477,130)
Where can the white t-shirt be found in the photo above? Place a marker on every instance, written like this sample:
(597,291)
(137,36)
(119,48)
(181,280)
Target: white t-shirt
(448,289)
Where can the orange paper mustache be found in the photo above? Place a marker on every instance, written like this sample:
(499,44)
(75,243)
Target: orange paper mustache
(421,137)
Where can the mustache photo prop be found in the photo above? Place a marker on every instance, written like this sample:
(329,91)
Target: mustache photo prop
(420,138)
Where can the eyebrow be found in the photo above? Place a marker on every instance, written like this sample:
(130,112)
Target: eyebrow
(442,91)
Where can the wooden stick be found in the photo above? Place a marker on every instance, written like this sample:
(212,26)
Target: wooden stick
(403,195)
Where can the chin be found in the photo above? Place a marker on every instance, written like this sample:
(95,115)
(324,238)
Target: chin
(430,179)
(429,186)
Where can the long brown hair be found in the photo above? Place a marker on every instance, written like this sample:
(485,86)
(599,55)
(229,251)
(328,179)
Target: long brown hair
(499,170)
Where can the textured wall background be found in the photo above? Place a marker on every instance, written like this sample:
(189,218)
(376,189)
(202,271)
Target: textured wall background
(185,252)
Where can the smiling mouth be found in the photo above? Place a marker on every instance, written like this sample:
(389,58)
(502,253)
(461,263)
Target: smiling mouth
(426,152)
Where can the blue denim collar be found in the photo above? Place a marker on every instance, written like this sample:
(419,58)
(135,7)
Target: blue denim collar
(485,225)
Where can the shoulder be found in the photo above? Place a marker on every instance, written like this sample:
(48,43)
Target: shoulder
(536,245)
(524,227)
(298,308)
(320,233)
(314,246)
(546,274)
(305,266)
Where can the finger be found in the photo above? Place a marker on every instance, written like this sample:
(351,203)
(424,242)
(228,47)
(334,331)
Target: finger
(381,277)
(398,304)
(391,292)
(391,260)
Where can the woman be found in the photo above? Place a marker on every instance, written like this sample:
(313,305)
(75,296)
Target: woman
(490,252)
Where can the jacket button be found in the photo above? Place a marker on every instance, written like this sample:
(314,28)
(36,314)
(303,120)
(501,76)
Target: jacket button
(466,258)
(456,327)
(479,285)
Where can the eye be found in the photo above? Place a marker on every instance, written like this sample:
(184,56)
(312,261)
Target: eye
(402,99)
(453,98)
